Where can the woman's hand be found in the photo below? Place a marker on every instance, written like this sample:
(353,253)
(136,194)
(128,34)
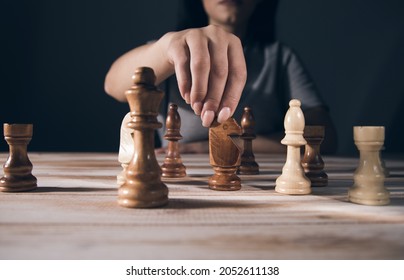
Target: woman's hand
(209,64)
(210,68)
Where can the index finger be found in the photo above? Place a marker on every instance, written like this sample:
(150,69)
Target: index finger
(236,79)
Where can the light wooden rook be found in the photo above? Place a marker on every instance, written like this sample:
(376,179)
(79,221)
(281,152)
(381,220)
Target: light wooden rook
(143,187)
(17,169)
(248,165)
(173,166)
(312,161)
(386,171)
(224,155)
(293,179)
(368,187)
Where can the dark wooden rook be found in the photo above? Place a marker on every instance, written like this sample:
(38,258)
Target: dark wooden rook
(143,187)
(312,161)
(224,155)
(248,164)
(173,166)
(17,169)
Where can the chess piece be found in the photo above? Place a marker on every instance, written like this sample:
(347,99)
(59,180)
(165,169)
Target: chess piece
(293,180)
(383,164)
(143,187)
(368,187)
(248,165)
(126,148)
(312,161)
(173,166)
(17,169)
(224,155)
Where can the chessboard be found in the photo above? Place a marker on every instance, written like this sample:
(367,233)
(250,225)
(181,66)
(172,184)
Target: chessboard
(74,214)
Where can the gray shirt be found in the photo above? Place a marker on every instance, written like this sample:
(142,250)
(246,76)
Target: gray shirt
(275,75)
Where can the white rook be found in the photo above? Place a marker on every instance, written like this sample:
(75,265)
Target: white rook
(368,187)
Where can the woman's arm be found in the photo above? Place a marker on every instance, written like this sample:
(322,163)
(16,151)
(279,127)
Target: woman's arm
(119,76)
(208,62)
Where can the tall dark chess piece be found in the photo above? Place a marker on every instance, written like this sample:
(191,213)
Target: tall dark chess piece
(173,166)
(248,164)
(143,187)
(312,161)
(17,169)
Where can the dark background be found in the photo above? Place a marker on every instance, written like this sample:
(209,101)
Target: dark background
(55,54)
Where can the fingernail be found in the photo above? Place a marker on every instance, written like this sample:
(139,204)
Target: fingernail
(207,118)
(197,107)
(224,114)
(186,97)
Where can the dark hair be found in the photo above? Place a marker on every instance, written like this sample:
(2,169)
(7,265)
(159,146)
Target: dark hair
(261,27)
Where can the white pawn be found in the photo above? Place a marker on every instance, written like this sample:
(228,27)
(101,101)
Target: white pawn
(293,180)
(368,187)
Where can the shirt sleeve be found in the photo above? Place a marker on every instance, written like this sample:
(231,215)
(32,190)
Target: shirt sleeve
(297,82)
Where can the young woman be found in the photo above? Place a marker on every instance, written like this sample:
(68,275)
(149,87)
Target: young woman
(218,43)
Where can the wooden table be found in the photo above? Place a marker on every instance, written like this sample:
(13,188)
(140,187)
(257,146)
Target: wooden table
(74,215)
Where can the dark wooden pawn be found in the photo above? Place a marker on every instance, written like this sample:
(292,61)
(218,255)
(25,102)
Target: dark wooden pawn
(143,187)
(17,169)
(248,164)
(312,161)
(224,155)
(173,166)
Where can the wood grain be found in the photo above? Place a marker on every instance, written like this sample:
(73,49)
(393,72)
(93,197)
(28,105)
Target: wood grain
(74,214)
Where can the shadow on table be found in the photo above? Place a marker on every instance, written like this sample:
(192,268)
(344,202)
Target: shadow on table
(204,203)
(74,189)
